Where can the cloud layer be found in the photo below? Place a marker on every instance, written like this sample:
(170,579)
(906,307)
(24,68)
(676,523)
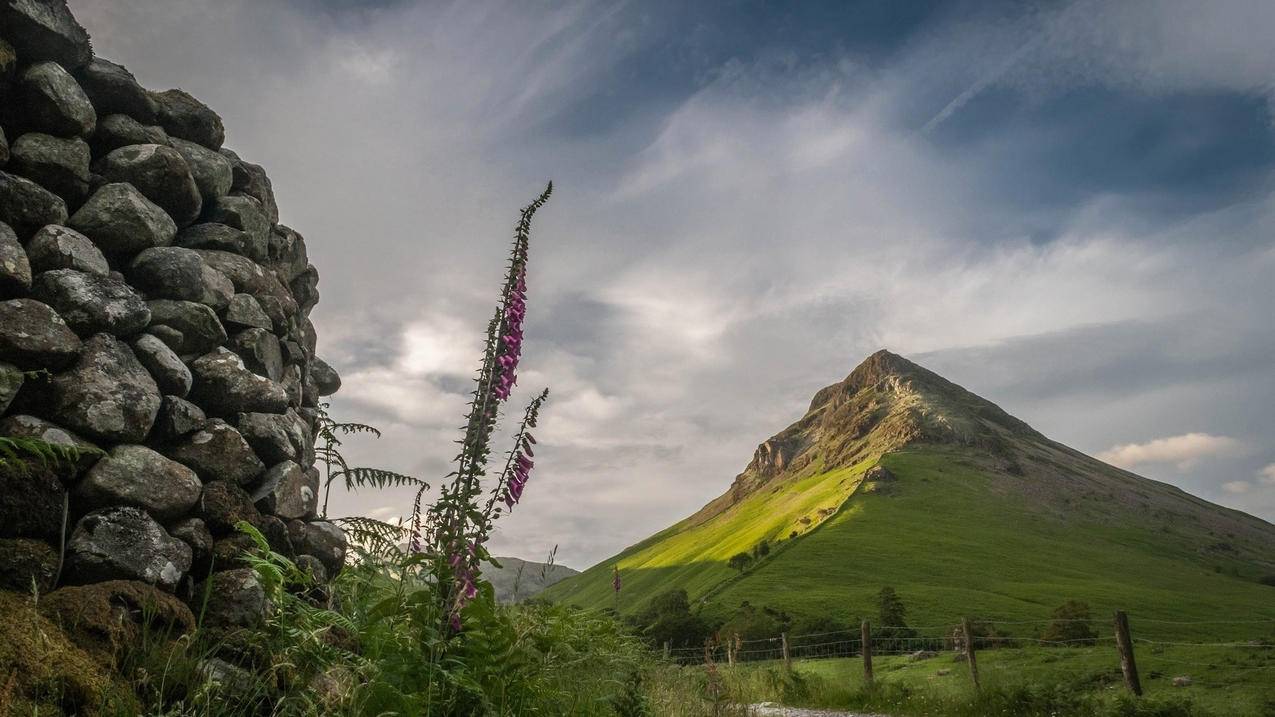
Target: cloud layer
(1065,208)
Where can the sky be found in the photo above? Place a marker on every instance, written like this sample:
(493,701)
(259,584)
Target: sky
(1065,207)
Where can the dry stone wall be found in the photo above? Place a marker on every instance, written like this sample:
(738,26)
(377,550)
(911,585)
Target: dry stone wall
(143,267)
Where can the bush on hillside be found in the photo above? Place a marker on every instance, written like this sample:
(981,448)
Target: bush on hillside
(1071,624)
(740,561)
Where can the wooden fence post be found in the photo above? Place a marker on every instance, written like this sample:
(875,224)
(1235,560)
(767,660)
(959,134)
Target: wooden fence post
(969,650)
(730,652)
(865,635)
(1124,644)
(783,636)
(666,650)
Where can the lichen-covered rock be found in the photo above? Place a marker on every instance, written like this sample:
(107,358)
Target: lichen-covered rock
(305,289)
(288,491)
(212,172)
(26,206)
(161,174)
(173,272)
(251,180)
(55,247)
(142,478)
(11,380)
(115,131)
(58,164)
(124,543)
(193,532)
(34,337)
(190,328)
(224,387)
(170,374)
(177,417)
(260,352)
(54,103)
(245,312)
(326,379)
(239,599)
(274,437)
(186,117)
(118,218)
(43,30)
(214,236)
(107,395)
(288,256)
(224,505)
(15,269)
(27,564)
(92,304)
(110,618)
(244,213)
(313,567)
(217,452)
(23,426)
(321,539)
(275,531)
(32,504)
(113,89)
(229,551)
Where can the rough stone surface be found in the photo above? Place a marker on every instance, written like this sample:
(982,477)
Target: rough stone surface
(118,218)
(288,256)
(115,131)
(191,328)
(42,30)
(161,174)
(274,437)
(251,180)
(23,426)
(244,213)
(214,236)
(217,452)
(26,206)
(140,477)
(113,616)
(288,491)
(11,380)
(173,272)
(313,566)
(212,172)
(170,374)
(260,351)
(186,117)
(54,103)
(305,289)
(127,544)
(108,395)
(113,89)
(58,164)
(15,269)
(224,505)
(4,141)
(27,563)
(275,532)
(57,247)
(241,599)
(326,379)
(32,505)
(193,532)
(224,387)
(92,304)
(33,336)
(176,418)
(245,312)
(321,539)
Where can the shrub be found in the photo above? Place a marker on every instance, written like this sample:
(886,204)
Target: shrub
(1071,624)
(740,561)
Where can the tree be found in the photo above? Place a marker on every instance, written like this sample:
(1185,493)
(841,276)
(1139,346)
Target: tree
(1071,624)
(761,550)
(890,609)
(668,618)
(740,561)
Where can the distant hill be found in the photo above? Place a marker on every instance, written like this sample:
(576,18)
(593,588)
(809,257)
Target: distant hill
(975,513)
(518,579)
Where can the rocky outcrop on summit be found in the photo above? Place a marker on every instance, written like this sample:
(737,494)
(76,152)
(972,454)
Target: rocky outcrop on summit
(154,313)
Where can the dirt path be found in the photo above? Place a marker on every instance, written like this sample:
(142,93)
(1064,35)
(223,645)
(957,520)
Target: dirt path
(770,709)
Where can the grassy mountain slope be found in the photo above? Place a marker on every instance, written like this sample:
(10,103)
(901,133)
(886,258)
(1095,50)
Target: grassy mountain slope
(517,579)
(979,514)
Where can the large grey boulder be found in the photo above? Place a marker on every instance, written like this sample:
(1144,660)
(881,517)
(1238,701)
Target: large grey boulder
(113,89)
(58,164)
(325,378)
(125,543)
(250,278)
(53,102)
(251,180)
(166,367)
(305,289)
(140,477)
(288,256)
(57,247)
(275,437)
(45,30)
(225,387)
(245,312)
(224,505)
(92,304)
(26,206)
(189,328)
(107,395)
(173,272)
(115,131)
(244,213)
(24,426)
(15,269)
(212,172)
(260,351)
(218,237)
(288,491)
(161,174)
(186,117)
(321,539)
(217,452)
(118,218)
(238,602)
(178,417)
(193,532)
(34,337)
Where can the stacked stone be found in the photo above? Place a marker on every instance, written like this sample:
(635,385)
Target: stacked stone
(143,267)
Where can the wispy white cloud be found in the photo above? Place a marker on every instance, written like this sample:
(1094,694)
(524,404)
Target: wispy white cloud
(1184,451)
